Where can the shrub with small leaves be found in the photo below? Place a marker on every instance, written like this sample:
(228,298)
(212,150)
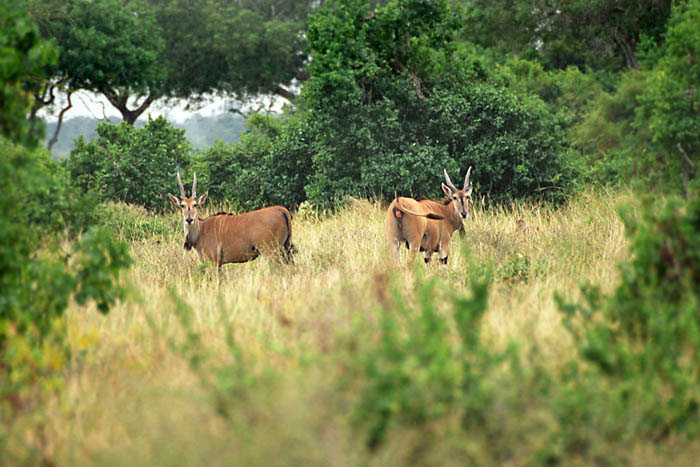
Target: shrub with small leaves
(644,340)
(132,165)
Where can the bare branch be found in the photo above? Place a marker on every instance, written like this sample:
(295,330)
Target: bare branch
(63,111)
(688,169)
(282,92)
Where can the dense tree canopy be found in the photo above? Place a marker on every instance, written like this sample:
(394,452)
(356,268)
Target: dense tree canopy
(136,52)
(600,34)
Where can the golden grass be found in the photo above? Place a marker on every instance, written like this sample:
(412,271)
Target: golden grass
(131,398)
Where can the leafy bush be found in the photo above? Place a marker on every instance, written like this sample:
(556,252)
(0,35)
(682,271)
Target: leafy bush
(270,165)
(132,165)
(644,340)
(671,100)
(388,118)
(413,374)
(35,287)
(48,199)
(24,55)
(35,284)
(634,377)
(617,144)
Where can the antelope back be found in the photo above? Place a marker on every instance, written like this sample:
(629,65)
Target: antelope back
(242,237)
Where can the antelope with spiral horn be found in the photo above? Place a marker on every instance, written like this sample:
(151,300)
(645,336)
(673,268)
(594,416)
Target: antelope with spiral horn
(229,238)
(427,225)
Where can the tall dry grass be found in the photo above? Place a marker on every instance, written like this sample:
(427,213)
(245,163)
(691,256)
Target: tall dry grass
(132,397)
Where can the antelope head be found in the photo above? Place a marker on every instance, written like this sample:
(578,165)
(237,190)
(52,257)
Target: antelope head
(461,199)
(188,205)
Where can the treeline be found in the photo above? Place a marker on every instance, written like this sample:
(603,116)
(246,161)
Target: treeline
(397,91)
(201,131)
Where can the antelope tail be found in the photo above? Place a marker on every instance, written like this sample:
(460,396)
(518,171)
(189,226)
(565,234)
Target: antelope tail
(288,240)
(430,215)
(287,247)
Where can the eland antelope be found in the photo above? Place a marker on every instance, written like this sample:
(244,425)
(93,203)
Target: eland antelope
(426,225)
(229,238)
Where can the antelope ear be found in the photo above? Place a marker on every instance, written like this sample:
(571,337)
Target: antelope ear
(446,189)
(174,199)
(203,198)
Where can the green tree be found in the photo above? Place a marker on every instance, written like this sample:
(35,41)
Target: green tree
(24,55)
(136,52)
(391,103)
(671,102)
(599,34)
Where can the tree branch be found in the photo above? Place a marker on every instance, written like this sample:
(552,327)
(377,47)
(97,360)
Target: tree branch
(63,111)
(688,169)
(282,92)
(119,101)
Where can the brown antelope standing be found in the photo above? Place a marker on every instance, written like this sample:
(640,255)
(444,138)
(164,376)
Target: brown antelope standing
(427,225)
(229,238)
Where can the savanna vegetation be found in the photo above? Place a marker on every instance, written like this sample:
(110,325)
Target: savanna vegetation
(564,330)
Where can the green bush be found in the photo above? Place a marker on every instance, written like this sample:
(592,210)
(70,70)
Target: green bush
(35,286)
(634,377)
(618,146)
(270,165)
(388,118)
(412,374)
(643,342)
(132,165)
(37,281)
(24,56)
(49,200)
(671,100)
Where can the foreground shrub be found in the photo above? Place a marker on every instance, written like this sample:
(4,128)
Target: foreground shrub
(414,374)
(36,286)
(634,379)
(644,340)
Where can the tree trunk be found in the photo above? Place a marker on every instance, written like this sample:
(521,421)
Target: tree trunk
(54,138)
(628,46)
(119,102)
(282,92)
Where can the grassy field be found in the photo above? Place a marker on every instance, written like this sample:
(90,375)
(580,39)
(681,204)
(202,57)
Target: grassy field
(255,367)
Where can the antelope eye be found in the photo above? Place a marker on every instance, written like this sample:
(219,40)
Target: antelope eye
(195,205)
(182,205)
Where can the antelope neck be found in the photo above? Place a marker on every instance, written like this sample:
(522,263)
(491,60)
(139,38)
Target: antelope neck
(453,216)
(193,230)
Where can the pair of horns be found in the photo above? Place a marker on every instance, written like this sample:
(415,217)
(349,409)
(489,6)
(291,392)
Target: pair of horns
(466,179)
(182,188)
